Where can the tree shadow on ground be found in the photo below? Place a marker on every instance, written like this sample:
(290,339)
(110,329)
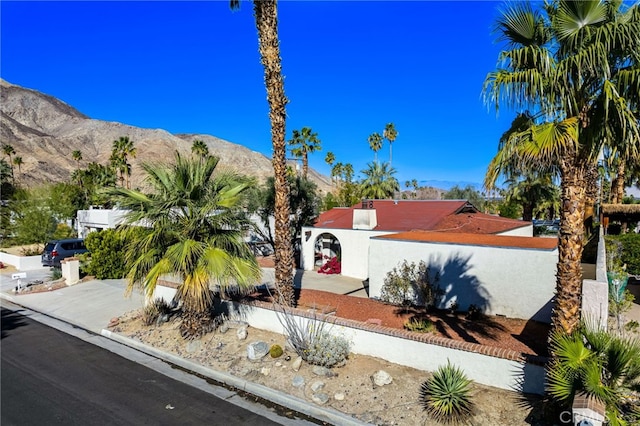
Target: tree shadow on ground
(11,320)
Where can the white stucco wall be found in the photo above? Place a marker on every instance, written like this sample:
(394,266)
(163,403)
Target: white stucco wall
(514,282)
(524,231)
(98,219)
(488,370)
(21,263)
(353,243)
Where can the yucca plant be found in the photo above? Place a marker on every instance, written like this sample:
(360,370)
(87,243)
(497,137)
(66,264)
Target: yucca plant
(602,365)
(447,395)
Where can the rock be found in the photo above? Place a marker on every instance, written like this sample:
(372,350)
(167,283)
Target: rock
(242,333)
(381,378)
(257,350)
(278,364)
(296,364)
(339,396)
(298,381)
(265,371)
(323,371)
(223,328)
(193,346)
(320,398)
(317,385)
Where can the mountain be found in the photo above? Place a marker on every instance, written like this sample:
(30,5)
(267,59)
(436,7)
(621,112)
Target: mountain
(44,131)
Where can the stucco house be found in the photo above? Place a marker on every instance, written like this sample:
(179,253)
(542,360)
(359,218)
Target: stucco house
(491,262)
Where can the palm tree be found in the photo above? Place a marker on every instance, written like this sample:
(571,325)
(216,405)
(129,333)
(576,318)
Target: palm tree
(18,162)
(77,156)
(562,64)
(600,364)
(390,134)
(531,192)
(9,151)
(304,142)
(375,143)
(122,149)
(200,148)
(329,158)
(266,16)
(379,182)
(195,231)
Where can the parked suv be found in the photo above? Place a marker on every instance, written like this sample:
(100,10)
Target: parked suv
(57,250)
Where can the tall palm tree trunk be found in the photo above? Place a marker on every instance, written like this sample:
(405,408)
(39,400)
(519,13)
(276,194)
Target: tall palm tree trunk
(566,312)
(305,166)
(618,189)
(266,14)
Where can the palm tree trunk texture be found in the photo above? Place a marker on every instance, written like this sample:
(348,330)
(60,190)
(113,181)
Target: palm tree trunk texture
(305,166)
(266,15)
(618,189)
(566,312)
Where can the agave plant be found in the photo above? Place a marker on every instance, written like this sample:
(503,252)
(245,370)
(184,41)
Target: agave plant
(602,365)
(447,395)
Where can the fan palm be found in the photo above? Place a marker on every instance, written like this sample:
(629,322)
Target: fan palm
(266,17)
(598,363)
(195,232)
(375,143)
(390,133)
(121,150)
(379,182)
(18,162)
(531,192)
(571,67)
(304,142)
(200,148)
(77,156)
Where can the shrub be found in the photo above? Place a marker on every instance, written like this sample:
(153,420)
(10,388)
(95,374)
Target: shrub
(31,250)
(418,325)
(63,231)
(410,283)
(447,395)
(630,252)
(275,351)
(592,361)
(56,274)
(313,341)
(333,266)
(155,311)
(107,254)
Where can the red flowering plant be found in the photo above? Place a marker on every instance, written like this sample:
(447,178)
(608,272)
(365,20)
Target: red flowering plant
(332,266)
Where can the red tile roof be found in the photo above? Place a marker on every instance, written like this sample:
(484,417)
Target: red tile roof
(429,215)
(541,243)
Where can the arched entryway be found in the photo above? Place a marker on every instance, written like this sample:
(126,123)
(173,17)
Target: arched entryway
(326,247)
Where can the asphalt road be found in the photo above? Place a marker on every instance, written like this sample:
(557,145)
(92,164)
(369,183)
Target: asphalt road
(49,377)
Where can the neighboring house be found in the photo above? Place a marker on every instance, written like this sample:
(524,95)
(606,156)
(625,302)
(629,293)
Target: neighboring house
(97,220)
(491,262)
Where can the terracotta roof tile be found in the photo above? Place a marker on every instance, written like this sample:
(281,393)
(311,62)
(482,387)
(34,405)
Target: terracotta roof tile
(407,215)
(540,243)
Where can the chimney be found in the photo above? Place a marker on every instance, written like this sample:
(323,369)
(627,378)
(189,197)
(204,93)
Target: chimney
(365,217)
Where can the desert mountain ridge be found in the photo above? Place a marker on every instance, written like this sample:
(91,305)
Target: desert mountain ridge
(44,131)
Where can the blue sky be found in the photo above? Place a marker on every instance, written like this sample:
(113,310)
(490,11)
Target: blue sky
(350,68)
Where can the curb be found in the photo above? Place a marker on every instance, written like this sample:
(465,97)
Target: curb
(289,401)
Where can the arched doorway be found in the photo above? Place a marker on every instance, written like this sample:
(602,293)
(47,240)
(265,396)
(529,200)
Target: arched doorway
(326,247)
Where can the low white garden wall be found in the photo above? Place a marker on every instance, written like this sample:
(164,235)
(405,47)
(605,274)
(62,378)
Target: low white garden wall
(495,367)
(21,263)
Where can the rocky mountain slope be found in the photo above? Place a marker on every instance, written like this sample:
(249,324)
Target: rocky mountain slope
(44,131)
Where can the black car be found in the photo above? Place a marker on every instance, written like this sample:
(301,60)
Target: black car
(57,250)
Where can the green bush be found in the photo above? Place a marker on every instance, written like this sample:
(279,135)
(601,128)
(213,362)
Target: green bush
(410,283)
(630,253)
(63,231)
(447,395)
(107,254)
(418,325)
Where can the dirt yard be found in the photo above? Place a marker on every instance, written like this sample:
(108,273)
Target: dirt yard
(351,390)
